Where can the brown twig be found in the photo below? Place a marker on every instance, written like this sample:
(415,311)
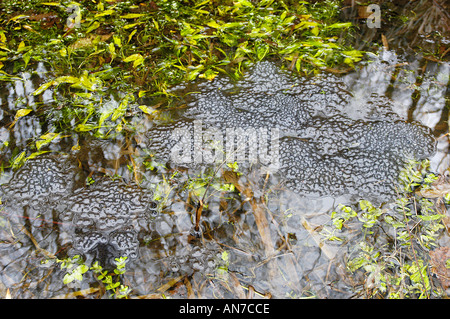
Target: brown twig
(35,243)
(412,246)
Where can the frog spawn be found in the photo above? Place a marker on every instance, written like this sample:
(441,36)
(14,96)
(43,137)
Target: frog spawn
(111,214)
(328,144)
(103,219)
(38,181)
(309,172)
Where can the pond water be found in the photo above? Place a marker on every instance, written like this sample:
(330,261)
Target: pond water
(321,141)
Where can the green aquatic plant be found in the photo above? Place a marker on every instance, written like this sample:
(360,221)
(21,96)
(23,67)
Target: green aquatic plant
(111,281)
(393,243)
(222,267)
(109,65)
(414,174)
(76,268)
(145,48)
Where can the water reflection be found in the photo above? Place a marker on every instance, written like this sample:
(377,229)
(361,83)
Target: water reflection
(432,95)
(417,90)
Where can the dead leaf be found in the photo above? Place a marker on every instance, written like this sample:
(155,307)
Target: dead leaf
(363,13)
(79,293)
(38,248)
(439,188)
(89,41)
(149,296)
(236,286)
(326,249)
(263,227)
(190,291)
(43,16)
(169,284)
(439,259)
(385,42)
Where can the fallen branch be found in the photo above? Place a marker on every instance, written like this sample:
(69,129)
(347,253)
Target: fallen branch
(79,293)
(35,243)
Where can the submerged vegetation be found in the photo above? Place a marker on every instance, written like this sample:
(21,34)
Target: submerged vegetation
(76,268)
(100,52)
(158,44)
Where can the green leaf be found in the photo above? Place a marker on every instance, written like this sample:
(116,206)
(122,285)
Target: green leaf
(132,25)
(45,139)
(18,160)
(391,221)
(68,278)
(213,24)
(86,127)
(120,110)
(202,3)
(85,82)
(365,204)
(66,79)
(112,51)
(55,4)
(223,187)
(132,57)
(262,50)
(131,35)
(104,13)
(349,62)
(132,15)
(117,41)
(147,110)
(288,20)
(27,56)
(112,286)
(430,217)
(93,26)
(245,3)
(21,113)
(193,74)
(33,155)
(339,25)
(78,272)
(42,88)
(119,271)
(104,115)
(121,261)
(225,256)
(338,222)
(18,17)
(232,25)
(290,48)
